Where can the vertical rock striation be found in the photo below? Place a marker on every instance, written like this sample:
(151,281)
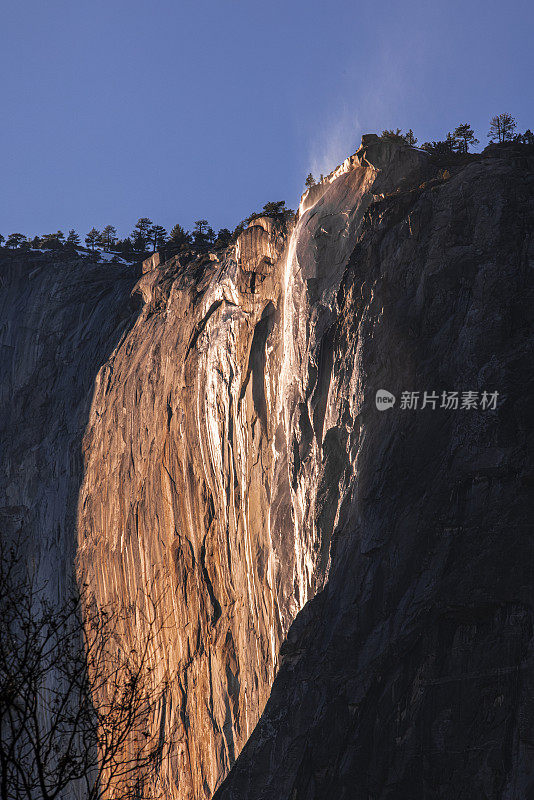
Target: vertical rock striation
(203,459)
(410,673)
(60,320)
(236,471)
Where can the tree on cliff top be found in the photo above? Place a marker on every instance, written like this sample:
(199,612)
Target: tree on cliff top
(224,237)
(92,238)
(502,128)
(179,236)
(140,235)
(310,181)
(398,136)
(15,240)
(275,209)
(157,236)
(108,237)
(201,233)
(78,710)
(445,147)
(389,133)
(52,241)
(465,136)
(72,240)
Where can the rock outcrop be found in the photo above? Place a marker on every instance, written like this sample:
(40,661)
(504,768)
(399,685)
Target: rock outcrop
(346,591)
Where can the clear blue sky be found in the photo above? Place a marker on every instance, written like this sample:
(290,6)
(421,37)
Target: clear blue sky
(180,109)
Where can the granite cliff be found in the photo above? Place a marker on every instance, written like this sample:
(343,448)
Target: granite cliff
(347,592)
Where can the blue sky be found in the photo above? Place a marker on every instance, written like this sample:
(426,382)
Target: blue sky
(210,108)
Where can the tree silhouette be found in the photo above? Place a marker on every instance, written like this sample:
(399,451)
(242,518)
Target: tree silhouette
(201,233)
(224,237)
(125,248)
(157,235)
(76,711)
(108,237)
(140,235)
(502,128)
(396,135)
(179,236)
(15,240)
(465,136)
(452,143)
(441,147)
(92,238)
(310,181)
(52,241)
(275,208)
(72,240)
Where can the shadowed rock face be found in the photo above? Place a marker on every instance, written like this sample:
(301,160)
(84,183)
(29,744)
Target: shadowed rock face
(235,464)
(410,674)
(59,321)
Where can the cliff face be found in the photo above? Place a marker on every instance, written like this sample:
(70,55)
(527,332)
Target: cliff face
(202,461)
(59,322)
(235,469)
(410,673)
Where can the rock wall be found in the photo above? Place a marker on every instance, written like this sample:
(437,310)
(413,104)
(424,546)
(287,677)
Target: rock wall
(410,673)
(59,322)
(203,453)
(234,468)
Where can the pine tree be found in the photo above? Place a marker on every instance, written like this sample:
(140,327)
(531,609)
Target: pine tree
(108,237)
(224,237)
(200,238)
(452,142)
(157,235)
(52,241)
(178,236)
(502,127)
(140,235)
(465,136)
(310,181)
(395,136)
(409,138)
(441,147)
(73,240)
(15,240)
(125,248)
(2,239)
(92,238)
(275,208)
